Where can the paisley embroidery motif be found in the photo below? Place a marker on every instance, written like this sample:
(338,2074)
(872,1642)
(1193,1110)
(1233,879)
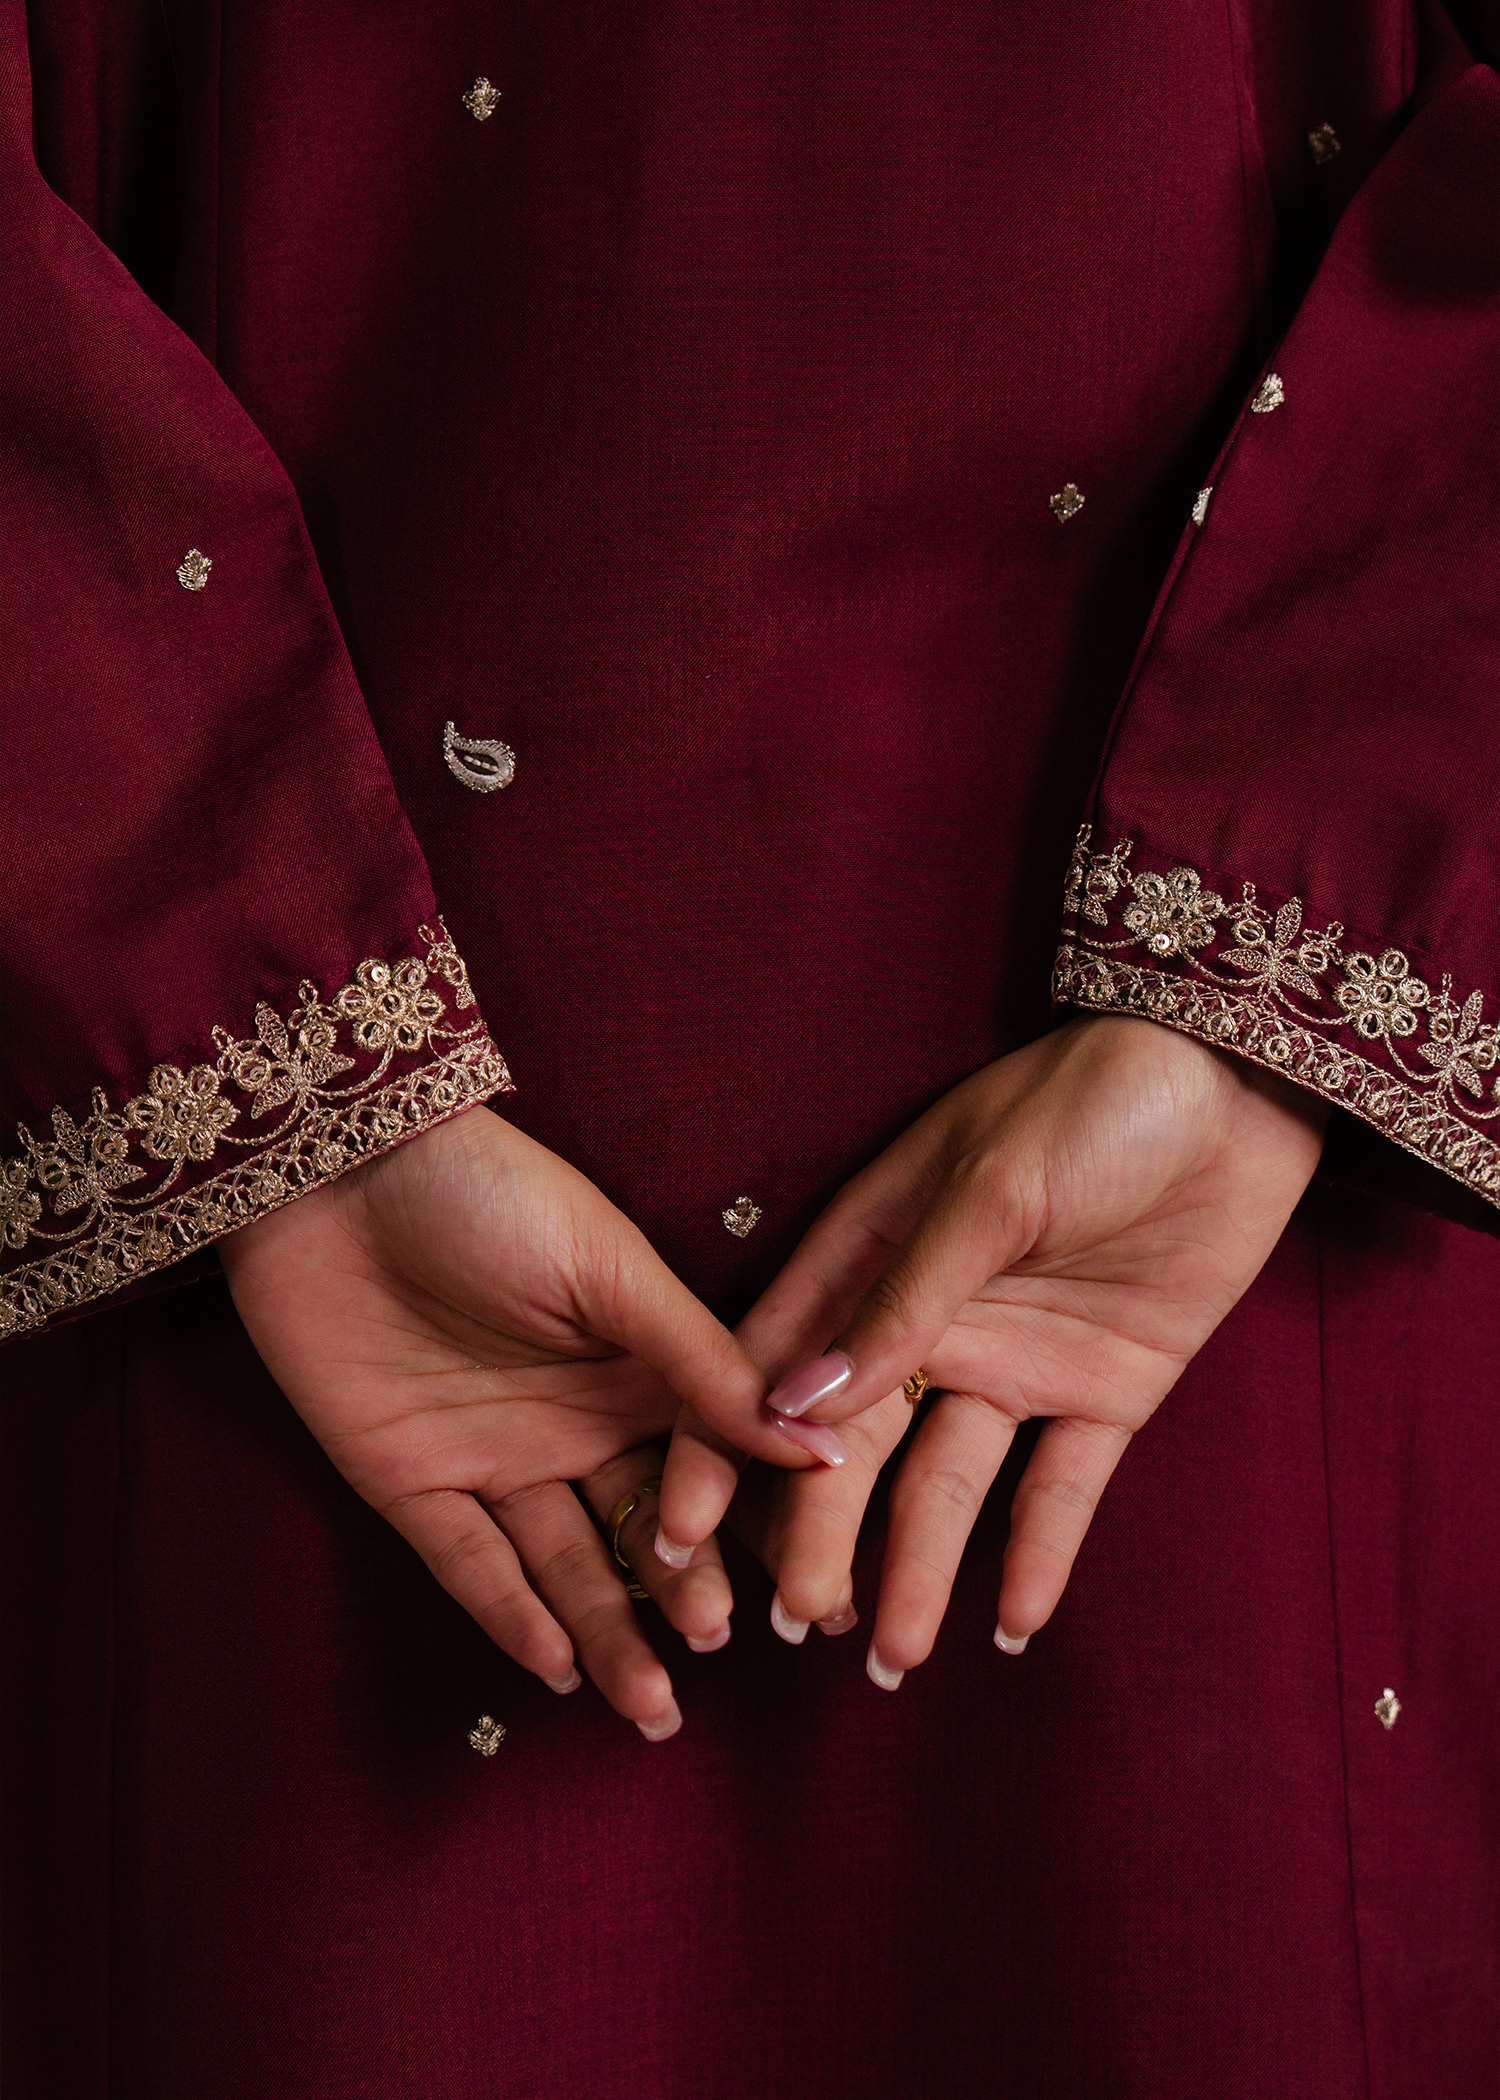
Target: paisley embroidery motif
(1364,1030)
(130,1172)
(481,763)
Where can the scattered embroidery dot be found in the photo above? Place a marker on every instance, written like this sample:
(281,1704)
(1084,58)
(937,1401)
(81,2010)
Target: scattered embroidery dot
(482,763)
(1269,395)
(742,1217)
(481,100)
(487,1735)
(1323,143)
(1200,507)
(193,571)
(1387,1707)
(1067,503)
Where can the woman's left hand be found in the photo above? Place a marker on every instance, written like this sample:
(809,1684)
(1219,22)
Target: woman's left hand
(1057,1237)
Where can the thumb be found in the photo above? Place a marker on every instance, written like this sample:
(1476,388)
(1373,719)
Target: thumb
(628,1296)
(975,1227)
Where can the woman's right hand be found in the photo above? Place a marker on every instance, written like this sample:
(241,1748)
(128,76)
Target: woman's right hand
(467,1326)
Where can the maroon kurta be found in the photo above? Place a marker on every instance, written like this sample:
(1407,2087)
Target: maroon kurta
(706,420)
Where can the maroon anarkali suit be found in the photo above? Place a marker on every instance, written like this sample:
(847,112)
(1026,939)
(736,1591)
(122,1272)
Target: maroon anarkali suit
(775,424)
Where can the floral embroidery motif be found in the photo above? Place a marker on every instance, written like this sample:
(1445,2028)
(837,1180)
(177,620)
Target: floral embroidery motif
(1364,1030)
(1387,1708)
(192,574)
(742,1217)
(1067,503)
(1269,395)
(1323,144)
(389,1027)
(1200,506)
(481,100)
(487,1736)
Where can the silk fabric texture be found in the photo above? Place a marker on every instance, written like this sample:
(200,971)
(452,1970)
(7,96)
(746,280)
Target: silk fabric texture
(690,424)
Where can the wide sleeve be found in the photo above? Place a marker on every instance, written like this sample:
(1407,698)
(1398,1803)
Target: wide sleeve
(1293,844)
(223,975)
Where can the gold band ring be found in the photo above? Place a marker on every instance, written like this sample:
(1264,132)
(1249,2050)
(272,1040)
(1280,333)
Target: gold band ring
(915,1386)
(613,1523)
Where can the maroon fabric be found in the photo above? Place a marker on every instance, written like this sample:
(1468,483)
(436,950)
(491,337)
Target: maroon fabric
(691,425)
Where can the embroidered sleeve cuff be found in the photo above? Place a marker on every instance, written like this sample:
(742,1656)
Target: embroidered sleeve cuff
(1360,1027)
(102,1202)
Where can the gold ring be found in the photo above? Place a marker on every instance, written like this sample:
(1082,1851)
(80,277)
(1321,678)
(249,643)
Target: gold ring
(613,1523)
(915,1386)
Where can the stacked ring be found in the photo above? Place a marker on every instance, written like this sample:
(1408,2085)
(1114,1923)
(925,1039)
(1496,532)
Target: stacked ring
(615,1520)
(915,1386)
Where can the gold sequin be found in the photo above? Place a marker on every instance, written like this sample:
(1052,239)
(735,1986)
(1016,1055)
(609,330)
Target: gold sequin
(1387,1707)
(1323,143)
(1200,506)
(1067,503)
(481,763)
(1269,395)
(481,100)
(742,1217)
(487,1735)
(193,571)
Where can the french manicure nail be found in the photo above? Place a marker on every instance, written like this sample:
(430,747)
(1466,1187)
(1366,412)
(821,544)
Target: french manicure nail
(813,1437)
(790,1629)
(570,1683)
(715,1640)
(1010,1643)
(661,1726)
(844,1623)
(814,1382)
(881,1673)
(668,1550)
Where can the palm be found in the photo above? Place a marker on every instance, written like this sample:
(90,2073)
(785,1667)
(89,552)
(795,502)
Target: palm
(1056,1237)
(453,1322)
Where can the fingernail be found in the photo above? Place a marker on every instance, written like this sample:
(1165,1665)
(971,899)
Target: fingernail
(790,1629)
(715,1640)
(1010,1643)
(845,1622)
(814,1382)
(880,1673)
(813,1437)
(668,1550)
(570,1683)
(662,1725)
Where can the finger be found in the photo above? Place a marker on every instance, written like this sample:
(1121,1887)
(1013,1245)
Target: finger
(629,1296)
(1055,1500)
(698,1482)
(695,1597)
(820,1515)
(579,1578)
(477,1565)
(951,1466)
(977,1225)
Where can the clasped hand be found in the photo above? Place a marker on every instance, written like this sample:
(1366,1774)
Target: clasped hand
(494,1356)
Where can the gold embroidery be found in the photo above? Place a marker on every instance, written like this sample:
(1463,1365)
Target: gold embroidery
(1200,506)
(487,1736)
(1067,503)
(285,1071)
(193,571)
(741,1218)
(1387,1707)
(1354,1027)
(1323,144)
(481,763)
(481,100)
(1269,395)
